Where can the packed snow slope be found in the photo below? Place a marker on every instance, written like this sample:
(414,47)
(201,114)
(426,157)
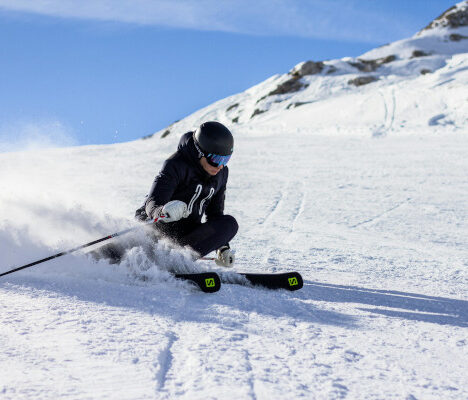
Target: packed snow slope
(363,190)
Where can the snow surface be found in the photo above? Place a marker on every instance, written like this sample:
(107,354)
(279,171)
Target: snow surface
(364,191)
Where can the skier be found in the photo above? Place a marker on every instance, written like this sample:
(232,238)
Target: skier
(191,184)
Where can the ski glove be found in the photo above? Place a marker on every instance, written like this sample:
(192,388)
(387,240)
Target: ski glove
(225,257)
(173,211)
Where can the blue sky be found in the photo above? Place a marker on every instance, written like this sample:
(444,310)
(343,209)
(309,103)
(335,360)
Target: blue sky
(102,71)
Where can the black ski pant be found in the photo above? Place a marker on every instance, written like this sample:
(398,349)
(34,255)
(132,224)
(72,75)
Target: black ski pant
(201,237)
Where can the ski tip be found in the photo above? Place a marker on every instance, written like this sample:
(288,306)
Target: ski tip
(295,281)
(208,282)
(211,282)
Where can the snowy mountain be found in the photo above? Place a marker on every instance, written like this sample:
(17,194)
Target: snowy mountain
(352,172)
(412,85)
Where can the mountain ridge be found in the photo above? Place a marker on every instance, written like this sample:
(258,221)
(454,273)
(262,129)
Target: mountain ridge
(418,61)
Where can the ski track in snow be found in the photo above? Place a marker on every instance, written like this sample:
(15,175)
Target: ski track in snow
(384,213)
(164,361)
(278,198)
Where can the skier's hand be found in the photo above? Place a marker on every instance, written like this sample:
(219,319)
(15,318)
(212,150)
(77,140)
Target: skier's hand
(225,257)
(173,211)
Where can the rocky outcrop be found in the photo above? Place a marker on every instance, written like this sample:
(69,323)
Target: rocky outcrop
(166,132)
(307,68)
(454,17)
(163,135)
(295,83)
(298,104)
(232,107)
(419,53)
(371,65)
(362,80)
(292,85)
(455,37)
(231,113)
(257,112)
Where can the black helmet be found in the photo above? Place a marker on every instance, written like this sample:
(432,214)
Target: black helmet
(213,138)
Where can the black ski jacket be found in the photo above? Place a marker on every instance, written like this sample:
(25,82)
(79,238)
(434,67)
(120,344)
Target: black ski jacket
(183,178)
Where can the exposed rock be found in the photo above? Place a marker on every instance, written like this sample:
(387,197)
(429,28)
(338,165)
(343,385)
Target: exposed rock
(364,67)
(419,53)
(371,65)
(425,71)
(295,83)
(165,133)
(384,45)
(235,120)
(386,60)
(292,85)
(454,17)
(256,112)
(298,104)
(232,106)
(362,80)
(307,68)
(331,69)
(455,37)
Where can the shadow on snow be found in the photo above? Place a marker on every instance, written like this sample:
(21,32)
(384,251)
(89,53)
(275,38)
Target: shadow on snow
(230,307)
(233,304)
(411,306)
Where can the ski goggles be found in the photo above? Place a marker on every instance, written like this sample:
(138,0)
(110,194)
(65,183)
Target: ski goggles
(216,160)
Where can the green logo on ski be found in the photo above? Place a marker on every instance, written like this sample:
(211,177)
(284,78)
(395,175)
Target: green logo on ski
(293,281)
(210,282)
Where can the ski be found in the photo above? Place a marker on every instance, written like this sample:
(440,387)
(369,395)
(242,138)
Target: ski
(208,282)
(286,280)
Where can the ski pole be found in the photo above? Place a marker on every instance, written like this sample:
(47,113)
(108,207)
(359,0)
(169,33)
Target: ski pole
(75,249)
